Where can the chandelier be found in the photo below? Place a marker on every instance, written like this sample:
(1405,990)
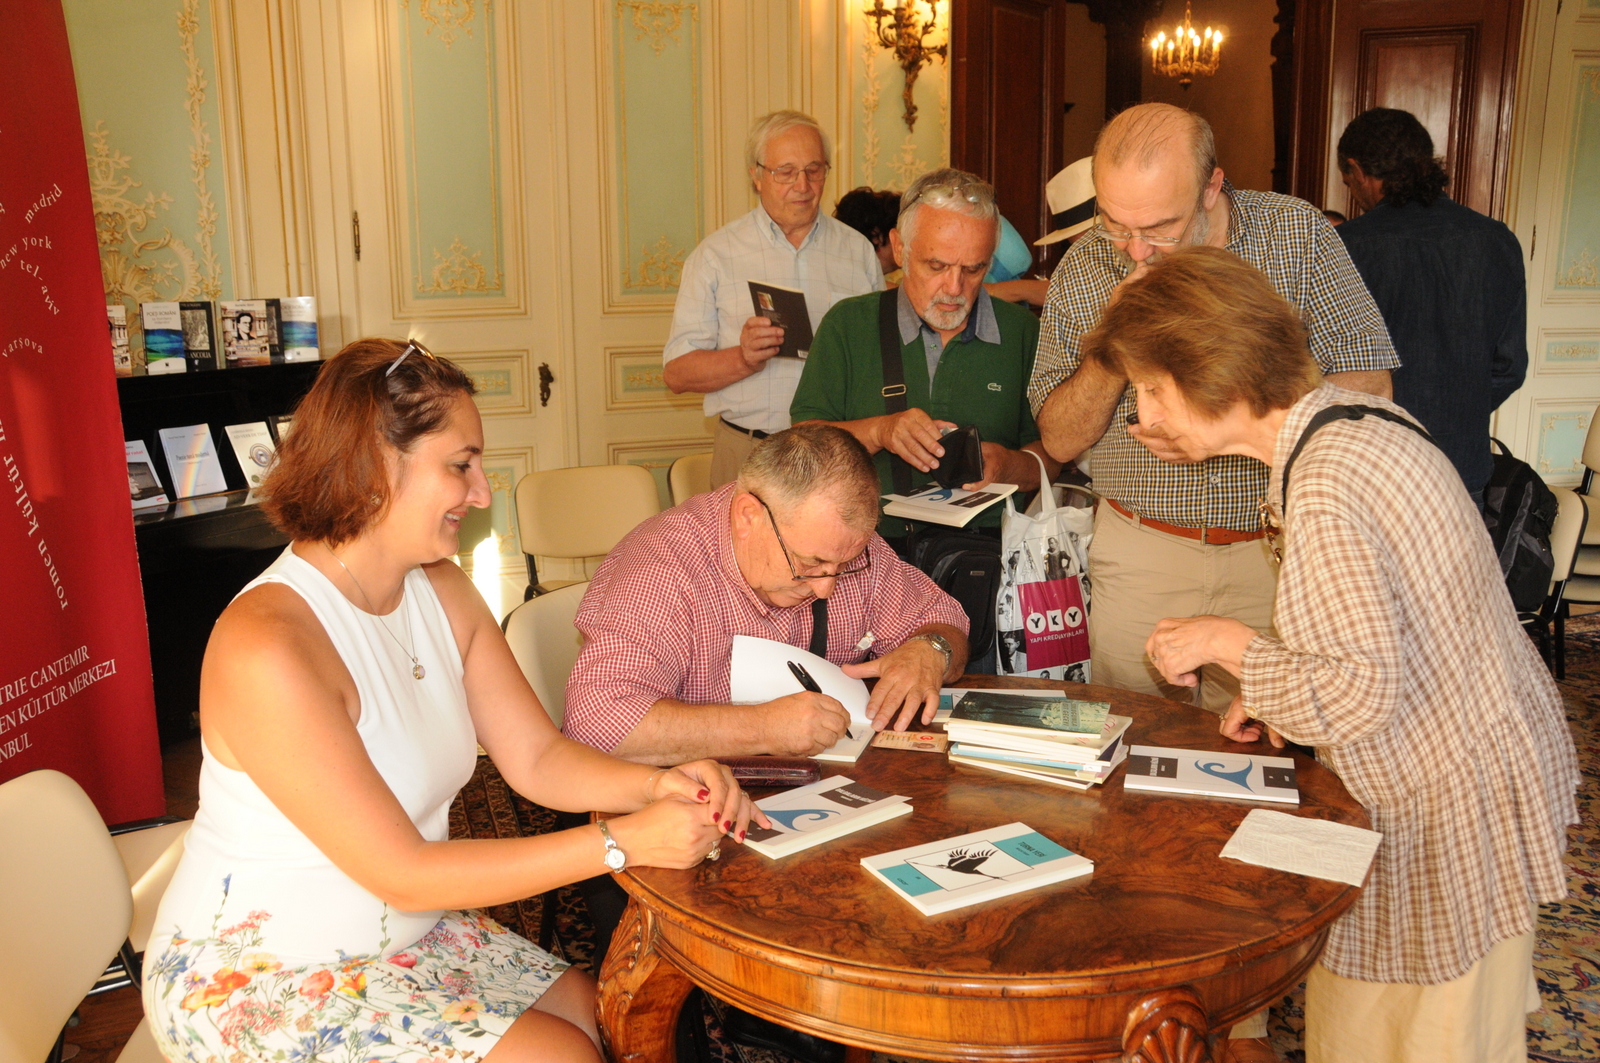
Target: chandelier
(1186,55)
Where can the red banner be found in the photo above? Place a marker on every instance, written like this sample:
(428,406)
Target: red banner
(75,692)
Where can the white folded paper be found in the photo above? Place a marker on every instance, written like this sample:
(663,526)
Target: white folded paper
(1334,851)
(759,672)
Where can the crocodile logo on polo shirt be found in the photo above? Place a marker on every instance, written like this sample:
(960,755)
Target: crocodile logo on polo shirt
(994,386)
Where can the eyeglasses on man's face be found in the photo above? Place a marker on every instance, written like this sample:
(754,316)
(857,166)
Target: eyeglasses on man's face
(1121,237)
(788,175)
(860,563)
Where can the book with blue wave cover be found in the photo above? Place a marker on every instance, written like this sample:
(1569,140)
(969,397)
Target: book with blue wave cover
(810,815)
(1242,776)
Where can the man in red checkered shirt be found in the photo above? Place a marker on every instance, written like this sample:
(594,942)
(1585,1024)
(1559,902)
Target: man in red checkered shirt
(753,558)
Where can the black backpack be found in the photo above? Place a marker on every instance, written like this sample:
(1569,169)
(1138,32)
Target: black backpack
(966,566)
(1520,512)
(1518,509)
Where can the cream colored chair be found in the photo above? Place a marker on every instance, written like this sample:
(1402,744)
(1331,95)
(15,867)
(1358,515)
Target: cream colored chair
(580,513)
(546,645)
(1572,519)
(690,475)
(65,912)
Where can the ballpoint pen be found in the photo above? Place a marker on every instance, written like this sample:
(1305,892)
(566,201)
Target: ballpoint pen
(810,684)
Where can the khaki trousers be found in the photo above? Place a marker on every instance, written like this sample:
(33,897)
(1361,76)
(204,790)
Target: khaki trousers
(1481,1017)
(728,451)
(1139,576)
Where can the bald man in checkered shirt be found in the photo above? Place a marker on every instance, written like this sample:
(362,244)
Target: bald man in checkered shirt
(1182,539)
(786,552)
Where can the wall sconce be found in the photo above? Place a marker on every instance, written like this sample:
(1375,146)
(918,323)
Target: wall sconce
(906,38)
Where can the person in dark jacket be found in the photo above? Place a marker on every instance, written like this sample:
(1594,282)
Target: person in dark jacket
(1448,281)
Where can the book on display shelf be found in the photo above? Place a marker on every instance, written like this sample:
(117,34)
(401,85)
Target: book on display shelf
(144,484)
(163,339)
(971,868)
(254,449)
(1242,776)
(824,810)
(950,506)
(121,351)
(280,427)
(246,332)
(192,461)
(297,328)
(199,322)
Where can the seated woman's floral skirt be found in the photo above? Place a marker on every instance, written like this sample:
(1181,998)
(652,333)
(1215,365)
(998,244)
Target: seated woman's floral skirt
(451,995)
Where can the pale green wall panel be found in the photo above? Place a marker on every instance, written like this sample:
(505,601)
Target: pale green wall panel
(656,55)
(147,90)
(450,111)
(1561,438)
(1578,263)
(888,155)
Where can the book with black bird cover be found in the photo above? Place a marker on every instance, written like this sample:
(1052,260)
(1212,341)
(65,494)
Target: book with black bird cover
(982,866)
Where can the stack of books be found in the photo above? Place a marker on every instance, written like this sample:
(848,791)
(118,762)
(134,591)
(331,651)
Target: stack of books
(1058,740)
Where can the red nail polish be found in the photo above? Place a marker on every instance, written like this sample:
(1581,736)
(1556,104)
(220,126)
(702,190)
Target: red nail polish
(741,835)
(703,794)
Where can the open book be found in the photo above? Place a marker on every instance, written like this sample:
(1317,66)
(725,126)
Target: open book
(759,672)
(946,505)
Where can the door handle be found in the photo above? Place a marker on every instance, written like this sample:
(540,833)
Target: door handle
(546,378)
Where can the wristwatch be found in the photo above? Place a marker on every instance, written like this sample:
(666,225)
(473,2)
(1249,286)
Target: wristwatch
(938,642)
(615,858)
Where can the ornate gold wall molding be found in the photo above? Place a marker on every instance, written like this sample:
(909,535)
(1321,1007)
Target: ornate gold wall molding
(871,92)
(660,266)
(129,263)
(194,93)
(1582,272)
(659,20)
(452,18)
(458,270)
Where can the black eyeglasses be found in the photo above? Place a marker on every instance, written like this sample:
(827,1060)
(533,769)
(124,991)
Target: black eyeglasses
(861,562)
(412,345)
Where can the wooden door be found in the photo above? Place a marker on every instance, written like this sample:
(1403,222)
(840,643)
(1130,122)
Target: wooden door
(1006,96)
(1554,208)
(1452,63)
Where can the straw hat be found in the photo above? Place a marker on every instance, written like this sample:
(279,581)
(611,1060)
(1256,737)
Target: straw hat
(1071,197)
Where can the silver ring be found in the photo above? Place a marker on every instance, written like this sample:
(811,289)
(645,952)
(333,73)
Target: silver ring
(716,853)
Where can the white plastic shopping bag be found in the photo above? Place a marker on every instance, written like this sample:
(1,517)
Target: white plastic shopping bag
(1041,612)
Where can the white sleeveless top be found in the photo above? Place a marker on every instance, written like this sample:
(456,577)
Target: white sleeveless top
(243,856)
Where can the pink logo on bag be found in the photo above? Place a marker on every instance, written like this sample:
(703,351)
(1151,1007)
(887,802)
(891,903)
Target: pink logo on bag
(1053,623)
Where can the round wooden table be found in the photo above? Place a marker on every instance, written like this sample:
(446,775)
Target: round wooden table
(1150,958)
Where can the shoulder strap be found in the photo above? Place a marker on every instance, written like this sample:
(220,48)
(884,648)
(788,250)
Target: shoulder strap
(894,377)
(1329,414)
(819,627)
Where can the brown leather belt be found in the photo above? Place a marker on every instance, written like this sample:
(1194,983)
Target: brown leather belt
(1209,536)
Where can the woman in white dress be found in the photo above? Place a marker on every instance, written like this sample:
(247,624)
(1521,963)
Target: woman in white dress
(320,911)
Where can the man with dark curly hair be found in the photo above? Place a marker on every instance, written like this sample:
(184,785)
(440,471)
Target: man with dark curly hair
(1448,281)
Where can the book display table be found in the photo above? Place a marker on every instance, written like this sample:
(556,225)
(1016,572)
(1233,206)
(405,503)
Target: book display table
(1150,958)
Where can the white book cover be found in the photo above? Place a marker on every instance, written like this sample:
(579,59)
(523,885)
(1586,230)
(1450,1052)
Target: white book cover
(945,875)
(1196,771)
(253,446)
(192,461)
(297,325)
(758,672)
(946,505)
(144,483)
(121,352)
(1075,757)
(823,810)
(1047,746)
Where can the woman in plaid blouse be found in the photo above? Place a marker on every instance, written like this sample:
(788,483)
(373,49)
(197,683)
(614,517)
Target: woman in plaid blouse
(1397,654)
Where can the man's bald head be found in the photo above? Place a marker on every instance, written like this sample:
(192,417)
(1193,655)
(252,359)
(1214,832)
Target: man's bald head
(1157,135)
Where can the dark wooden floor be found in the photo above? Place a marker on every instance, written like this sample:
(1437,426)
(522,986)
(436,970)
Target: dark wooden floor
(105,1021)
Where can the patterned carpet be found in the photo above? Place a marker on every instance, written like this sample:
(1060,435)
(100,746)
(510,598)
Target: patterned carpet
(1566,958)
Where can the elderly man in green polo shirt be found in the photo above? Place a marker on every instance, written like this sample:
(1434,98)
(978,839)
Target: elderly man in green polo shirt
(967,358)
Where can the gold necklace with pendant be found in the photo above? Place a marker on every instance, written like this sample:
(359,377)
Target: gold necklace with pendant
(417,671)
